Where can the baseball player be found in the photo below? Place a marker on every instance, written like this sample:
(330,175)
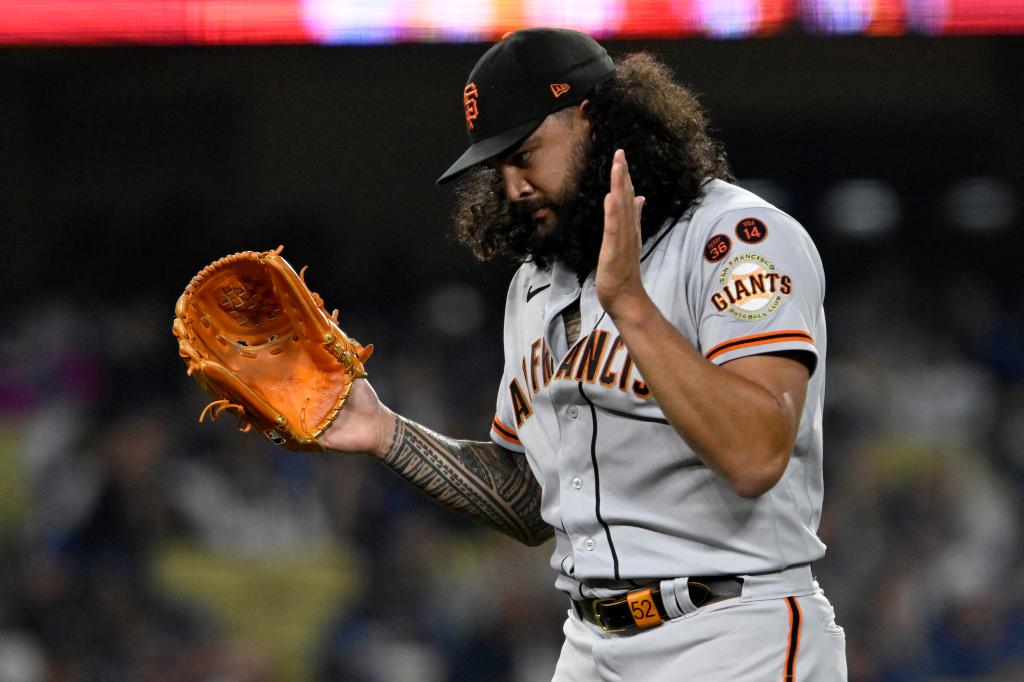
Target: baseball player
(660,409)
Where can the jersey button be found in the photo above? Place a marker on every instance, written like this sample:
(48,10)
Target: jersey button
(577,483)
(574,411)
(569,290)
(589,545)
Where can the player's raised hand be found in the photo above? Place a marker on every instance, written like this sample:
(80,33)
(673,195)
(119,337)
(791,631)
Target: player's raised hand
(364,426)
(618,265)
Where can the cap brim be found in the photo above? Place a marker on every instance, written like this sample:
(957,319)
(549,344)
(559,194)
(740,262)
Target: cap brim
(487,148)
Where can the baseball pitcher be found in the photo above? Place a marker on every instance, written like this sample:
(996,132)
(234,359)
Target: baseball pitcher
(660,410)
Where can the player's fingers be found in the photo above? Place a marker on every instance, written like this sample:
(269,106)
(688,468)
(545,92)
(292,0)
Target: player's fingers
(627,180)
(611,222)
(621,186)
(620,178)
(615,181)
(621,183)
(611,248)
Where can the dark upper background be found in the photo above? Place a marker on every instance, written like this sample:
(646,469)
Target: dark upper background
(138,166)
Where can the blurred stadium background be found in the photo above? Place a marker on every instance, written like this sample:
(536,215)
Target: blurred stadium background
(140,140)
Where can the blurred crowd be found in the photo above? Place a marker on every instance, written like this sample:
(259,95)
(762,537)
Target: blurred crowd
(136,544)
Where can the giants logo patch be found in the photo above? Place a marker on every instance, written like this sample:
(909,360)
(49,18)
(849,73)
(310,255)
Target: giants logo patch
(750,288)
(469,97)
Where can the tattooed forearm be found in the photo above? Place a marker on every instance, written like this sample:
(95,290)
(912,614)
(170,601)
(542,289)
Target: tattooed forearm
(481,480)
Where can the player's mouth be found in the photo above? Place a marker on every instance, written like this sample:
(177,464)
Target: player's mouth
(544,220)
(537,211)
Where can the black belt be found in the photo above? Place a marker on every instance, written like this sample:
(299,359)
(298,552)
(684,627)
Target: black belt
(645,608)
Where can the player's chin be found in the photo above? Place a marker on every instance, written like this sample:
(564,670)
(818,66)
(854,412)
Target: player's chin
(546,229)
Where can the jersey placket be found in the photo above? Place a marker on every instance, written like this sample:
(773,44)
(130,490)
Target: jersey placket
(578,480)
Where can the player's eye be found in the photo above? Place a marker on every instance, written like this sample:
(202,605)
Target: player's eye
(520,158)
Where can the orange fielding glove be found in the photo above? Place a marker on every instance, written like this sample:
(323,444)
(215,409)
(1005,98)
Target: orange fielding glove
(261,343)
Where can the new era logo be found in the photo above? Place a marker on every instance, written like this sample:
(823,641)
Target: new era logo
(559,89)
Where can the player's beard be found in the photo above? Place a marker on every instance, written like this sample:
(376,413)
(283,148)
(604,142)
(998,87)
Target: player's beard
(574,236)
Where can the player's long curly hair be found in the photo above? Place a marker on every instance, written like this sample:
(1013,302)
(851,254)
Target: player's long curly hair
(671,156)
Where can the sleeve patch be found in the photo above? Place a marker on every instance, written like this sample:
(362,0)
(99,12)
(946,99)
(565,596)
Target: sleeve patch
(759,340)
(717,248)
(751,288)
(751,231)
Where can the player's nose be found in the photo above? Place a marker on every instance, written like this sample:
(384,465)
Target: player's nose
(517,187)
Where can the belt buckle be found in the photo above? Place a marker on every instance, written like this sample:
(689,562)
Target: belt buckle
(594,608)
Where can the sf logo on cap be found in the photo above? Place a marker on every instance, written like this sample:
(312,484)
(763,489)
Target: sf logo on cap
(469,96)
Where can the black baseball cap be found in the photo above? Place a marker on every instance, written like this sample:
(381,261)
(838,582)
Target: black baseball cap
(519,81)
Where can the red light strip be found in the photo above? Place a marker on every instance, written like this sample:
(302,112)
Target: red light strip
(150,21)
(84,22)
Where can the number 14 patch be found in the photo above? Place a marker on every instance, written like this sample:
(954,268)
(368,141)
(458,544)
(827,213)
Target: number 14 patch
(751,231)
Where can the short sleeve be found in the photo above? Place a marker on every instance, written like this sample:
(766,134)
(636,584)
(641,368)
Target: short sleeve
(512,404)
(762,289)
(503,429)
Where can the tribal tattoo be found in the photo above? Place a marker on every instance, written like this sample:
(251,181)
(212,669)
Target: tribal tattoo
(485,482)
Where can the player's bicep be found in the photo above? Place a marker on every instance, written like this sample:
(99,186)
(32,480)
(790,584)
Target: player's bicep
(782,374)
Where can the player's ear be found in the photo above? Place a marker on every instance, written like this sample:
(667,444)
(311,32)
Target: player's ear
(580,115)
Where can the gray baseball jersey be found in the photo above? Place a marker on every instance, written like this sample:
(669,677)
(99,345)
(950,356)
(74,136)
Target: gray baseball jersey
(627,497)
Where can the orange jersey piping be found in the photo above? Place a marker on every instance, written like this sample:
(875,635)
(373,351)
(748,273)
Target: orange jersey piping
(759,340)
(505,432)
